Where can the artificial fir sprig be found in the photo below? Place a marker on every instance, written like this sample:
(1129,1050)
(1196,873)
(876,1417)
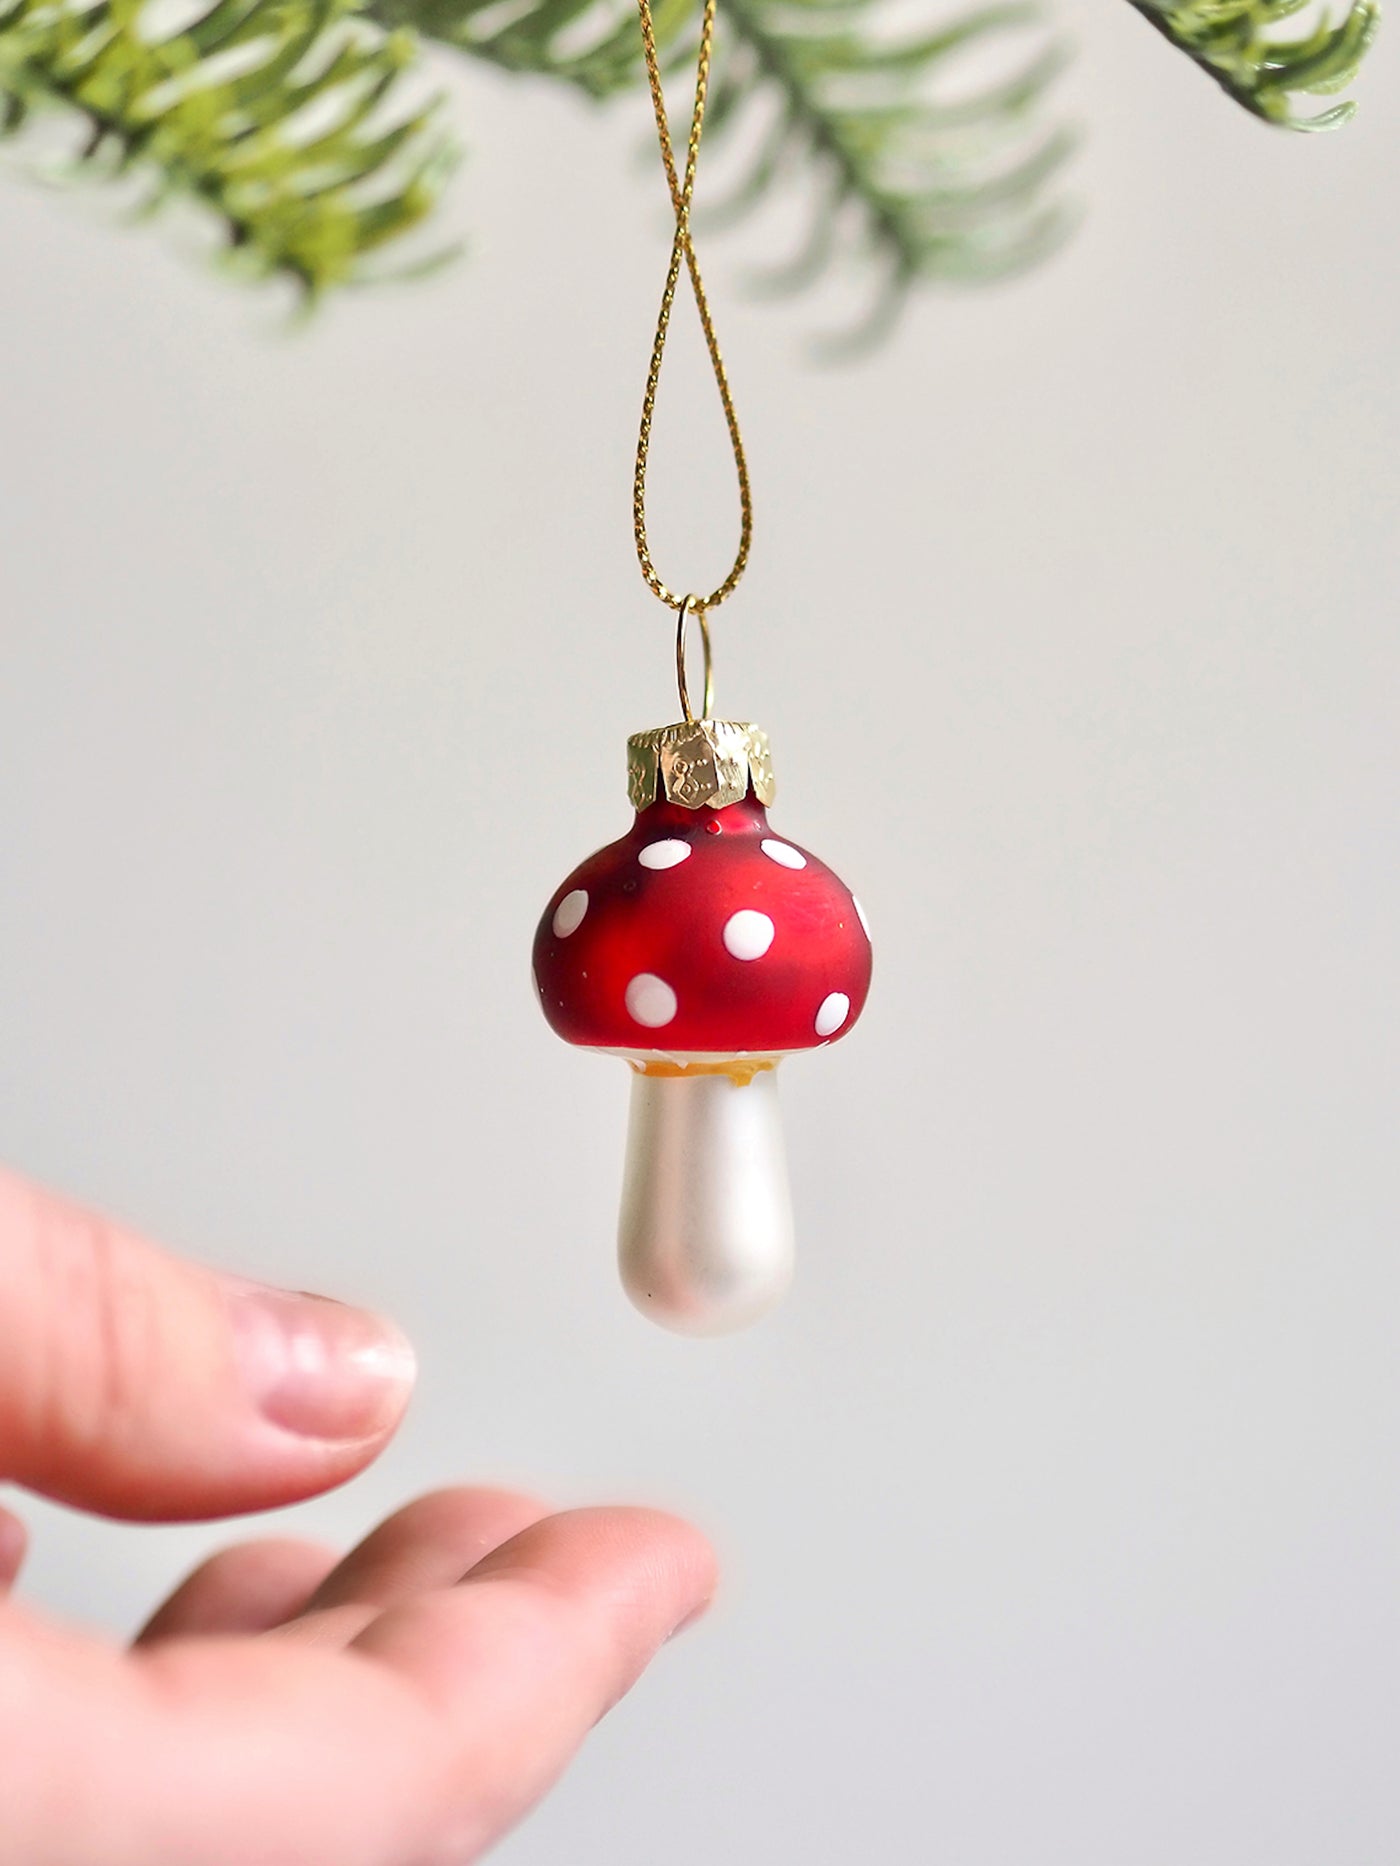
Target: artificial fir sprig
(1238,43)
(278,116)
(936,182)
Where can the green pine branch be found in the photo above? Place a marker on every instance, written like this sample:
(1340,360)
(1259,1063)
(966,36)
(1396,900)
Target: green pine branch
(285,119)
(941,179)
(1237,43)
(279,117)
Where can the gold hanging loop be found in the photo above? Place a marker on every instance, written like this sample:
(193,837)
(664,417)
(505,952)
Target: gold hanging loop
(692,606)
(683,254)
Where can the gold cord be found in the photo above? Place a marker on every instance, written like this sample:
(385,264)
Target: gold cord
(683,253)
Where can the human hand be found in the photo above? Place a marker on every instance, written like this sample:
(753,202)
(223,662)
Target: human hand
(400,1707)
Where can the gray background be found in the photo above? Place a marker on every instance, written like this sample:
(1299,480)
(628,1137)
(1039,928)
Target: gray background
(1058,1505)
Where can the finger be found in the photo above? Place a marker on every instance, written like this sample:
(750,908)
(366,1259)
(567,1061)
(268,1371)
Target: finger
(247,1589)
(422,1742)
(14,1546)
(538,1642)
(136,1384)
(430,1543)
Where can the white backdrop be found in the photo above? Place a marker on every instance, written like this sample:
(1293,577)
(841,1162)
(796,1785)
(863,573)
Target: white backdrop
(1058,1506)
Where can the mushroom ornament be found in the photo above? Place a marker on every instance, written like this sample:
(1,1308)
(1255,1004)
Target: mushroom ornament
(703,948)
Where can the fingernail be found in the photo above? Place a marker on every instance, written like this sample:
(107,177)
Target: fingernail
(696,1613)
(318,1368)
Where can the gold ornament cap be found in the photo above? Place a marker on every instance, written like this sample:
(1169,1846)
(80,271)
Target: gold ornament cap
(699,763)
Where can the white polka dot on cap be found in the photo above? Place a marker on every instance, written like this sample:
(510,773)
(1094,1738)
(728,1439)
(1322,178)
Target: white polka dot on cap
(668,854)
(650,1001)
(832,1013)
(568,915)
(748,934)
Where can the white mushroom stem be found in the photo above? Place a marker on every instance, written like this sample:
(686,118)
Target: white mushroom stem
(705,1241)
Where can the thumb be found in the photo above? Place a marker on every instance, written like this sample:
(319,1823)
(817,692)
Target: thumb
(138,1385)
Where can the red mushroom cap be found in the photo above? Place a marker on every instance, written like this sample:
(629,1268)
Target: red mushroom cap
(702,934)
